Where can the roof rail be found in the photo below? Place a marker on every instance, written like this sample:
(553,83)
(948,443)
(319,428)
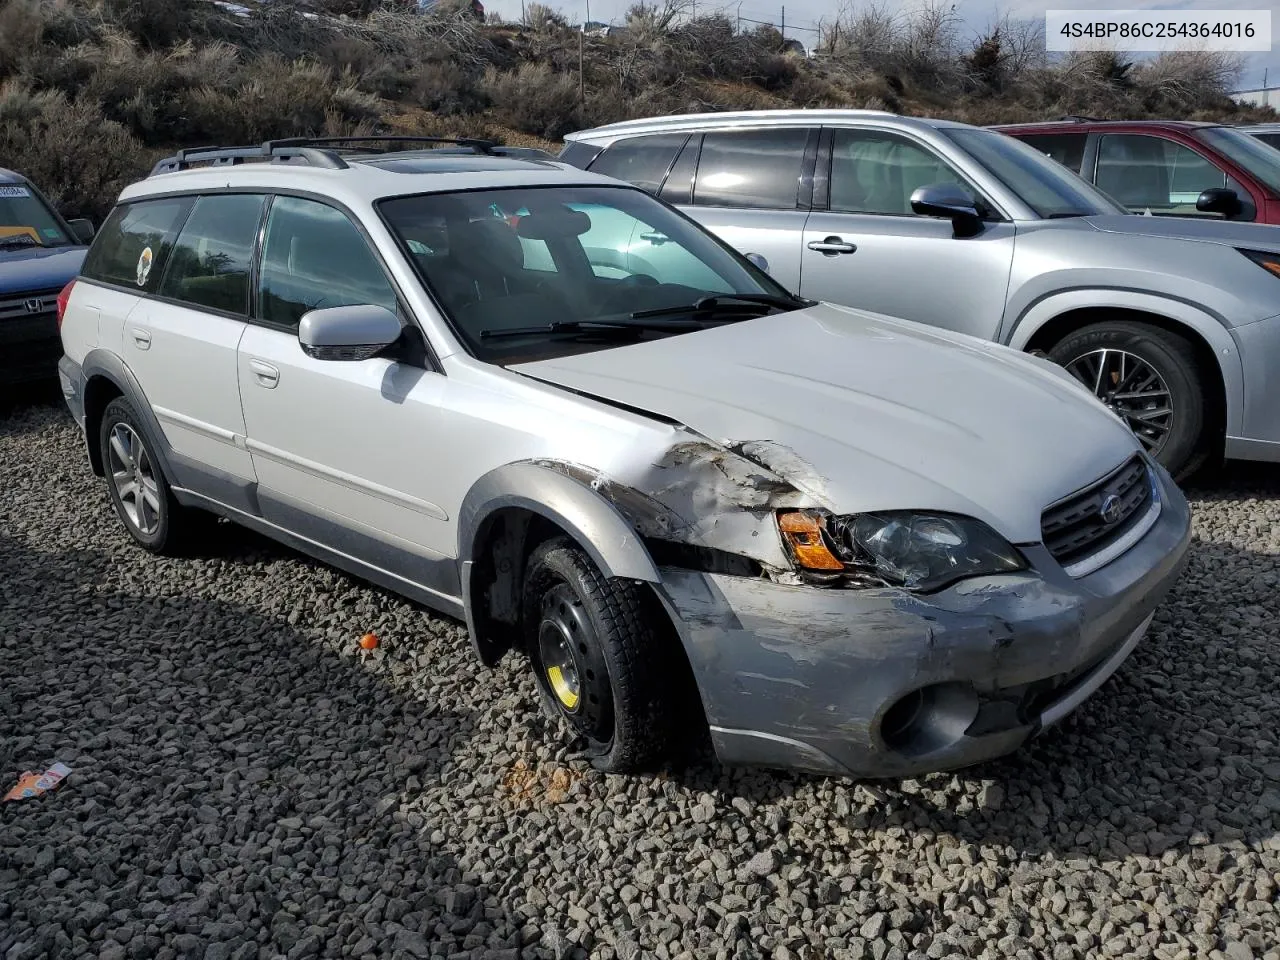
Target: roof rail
(1076,118)
(314,151)
(476,144)
(224,156)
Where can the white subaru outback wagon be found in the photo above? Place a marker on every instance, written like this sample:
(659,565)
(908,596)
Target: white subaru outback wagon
(838,541)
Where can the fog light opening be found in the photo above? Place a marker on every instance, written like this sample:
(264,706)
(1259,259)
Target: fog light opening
(929,719)
(900,720)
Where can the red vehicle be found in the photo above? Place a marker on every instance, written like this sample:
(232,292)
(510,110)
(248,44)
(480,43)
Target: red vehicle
(1166,167)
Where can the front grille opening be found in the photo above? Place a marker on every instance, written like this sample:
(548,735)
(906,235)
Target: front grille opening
(1090,520)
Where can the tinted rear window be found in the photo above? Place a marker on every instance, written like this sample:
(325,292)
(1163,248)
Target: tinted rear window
(130,247)
(643,161)
(751,168)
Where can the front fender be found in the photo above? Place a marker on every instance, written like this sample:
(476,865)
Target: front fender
(1206,325)
(609,540)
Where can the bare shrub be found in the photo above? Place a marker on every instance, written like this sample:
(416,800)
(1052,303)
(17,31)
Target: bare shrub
(1186,80)
(77,156)
(921,46)
(535,99)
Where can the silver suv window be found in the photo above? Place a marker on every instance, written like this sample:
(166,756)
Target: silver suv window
(210,262)
(643,161)
(1044,185)
(751,168)
(315,257)
(876,172)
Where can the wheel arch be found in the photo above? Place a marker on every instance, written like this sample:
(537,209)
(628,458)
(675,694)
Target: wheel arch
(507,512)
(105,378)
(1050,320)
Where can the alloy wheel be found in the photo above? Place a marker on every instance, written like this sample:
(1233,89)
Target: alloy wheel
(134,479)
(1132,389)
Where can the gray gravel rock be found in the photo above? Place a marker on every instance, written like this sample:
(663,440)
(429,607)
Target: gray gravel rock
(249,785)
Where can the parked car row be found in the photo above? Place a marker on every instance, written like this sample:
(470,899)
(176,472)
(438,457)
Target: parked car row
(1173,322)
(39,253)
(693,495)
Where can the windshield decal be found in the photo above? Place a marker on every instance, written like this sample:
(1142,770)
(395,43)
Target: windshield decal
(14,191)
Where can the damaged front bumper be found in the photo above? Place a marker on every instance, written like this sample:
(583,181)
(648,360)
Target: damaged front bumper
(886,683)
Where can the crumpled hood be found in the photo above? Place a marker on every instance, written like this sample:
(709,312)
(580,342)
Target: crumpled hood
(866,412)
(38,268)
(1257,236)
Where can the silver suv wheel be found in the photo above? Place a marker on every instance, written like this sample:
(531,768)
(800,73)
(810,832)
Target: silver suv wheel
(134,478)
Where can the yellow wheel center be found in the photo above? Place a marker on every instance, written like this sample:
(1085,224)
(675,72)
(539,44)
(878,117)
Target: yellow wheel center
(560,684)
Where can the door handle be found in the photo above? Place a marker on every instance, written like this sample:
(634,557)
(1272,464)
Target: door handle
(832,246)
(266,375)
(141,337)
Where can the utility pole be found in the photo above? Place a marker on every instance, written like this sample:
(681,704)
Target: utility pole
(784,23)
(582,79)
(739,16)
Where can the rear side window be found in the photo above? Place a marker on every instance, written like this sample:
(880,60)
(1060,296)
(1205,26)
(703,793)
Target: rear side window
(643,161)
(751,168)
(1066,148)
(1270,139)
(210,262)
(315,257)
(578,154)
(131,247)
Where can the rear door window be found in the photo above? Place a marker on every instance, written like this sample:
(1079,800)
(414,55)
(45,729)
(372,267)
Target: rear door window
(643,161)
(130,249)
(211,259)
(751,168)
(1066,148)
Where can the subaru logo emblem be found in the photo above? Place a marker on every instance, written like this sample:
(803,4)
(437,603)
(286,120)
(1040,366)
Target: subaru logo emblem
(1110,509)
(34,305)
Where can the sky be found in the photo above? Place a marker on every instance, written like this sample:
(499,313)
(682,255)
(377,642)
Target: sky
(802,17)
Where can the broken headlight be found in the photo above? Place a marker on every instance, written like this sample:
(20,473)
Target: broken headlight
(919,551)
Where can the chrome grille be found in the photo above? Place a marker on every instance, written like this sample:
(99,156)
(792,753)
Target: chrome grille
(17,306)
(1076,527)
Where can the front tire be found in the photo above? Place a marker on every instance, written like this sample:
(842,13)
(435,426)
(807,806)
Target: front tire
(137,486)
(599,652)
(1151,378)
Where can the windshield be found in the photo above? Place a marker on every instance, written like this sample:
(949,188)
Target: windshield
(1043,184)
(1262,161)
(531,273)
(25,221)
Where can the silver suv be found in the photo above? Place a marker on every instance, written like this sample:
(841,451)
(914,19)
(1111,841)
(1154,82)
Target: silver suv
(1174,324)
(842,542)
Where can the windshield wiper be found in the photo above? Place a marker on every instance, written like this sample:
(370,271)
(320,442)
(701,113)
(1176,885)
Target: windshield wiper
(579,327)
(1069,215)
(722,300)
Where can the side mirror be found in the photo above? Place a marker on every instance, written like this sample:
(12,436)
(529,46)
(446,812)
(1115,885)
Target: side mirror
(1219,200)
(347,333)
(82,230)
(758,261)
(949,201)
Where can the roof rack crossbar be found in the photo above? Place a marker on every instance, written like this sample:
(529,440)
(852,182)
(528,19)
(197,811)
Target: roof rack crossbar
(224,156)
(475,143)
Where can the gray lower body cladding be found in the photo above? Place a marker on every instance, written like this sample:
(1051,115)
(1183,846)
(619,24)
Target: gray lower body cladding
(883,683)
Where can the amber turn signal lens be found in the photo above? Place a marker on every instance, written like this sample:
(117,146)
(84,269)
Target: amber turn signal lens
(803,533)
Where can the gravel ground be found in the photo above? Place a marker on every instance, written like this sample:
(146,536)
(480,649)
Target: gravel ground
(247,783)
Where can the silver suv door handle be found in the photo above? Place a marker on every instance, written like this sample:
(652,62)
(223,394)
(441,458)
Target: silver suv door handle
(141,337)
(266,375)
(831,246)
